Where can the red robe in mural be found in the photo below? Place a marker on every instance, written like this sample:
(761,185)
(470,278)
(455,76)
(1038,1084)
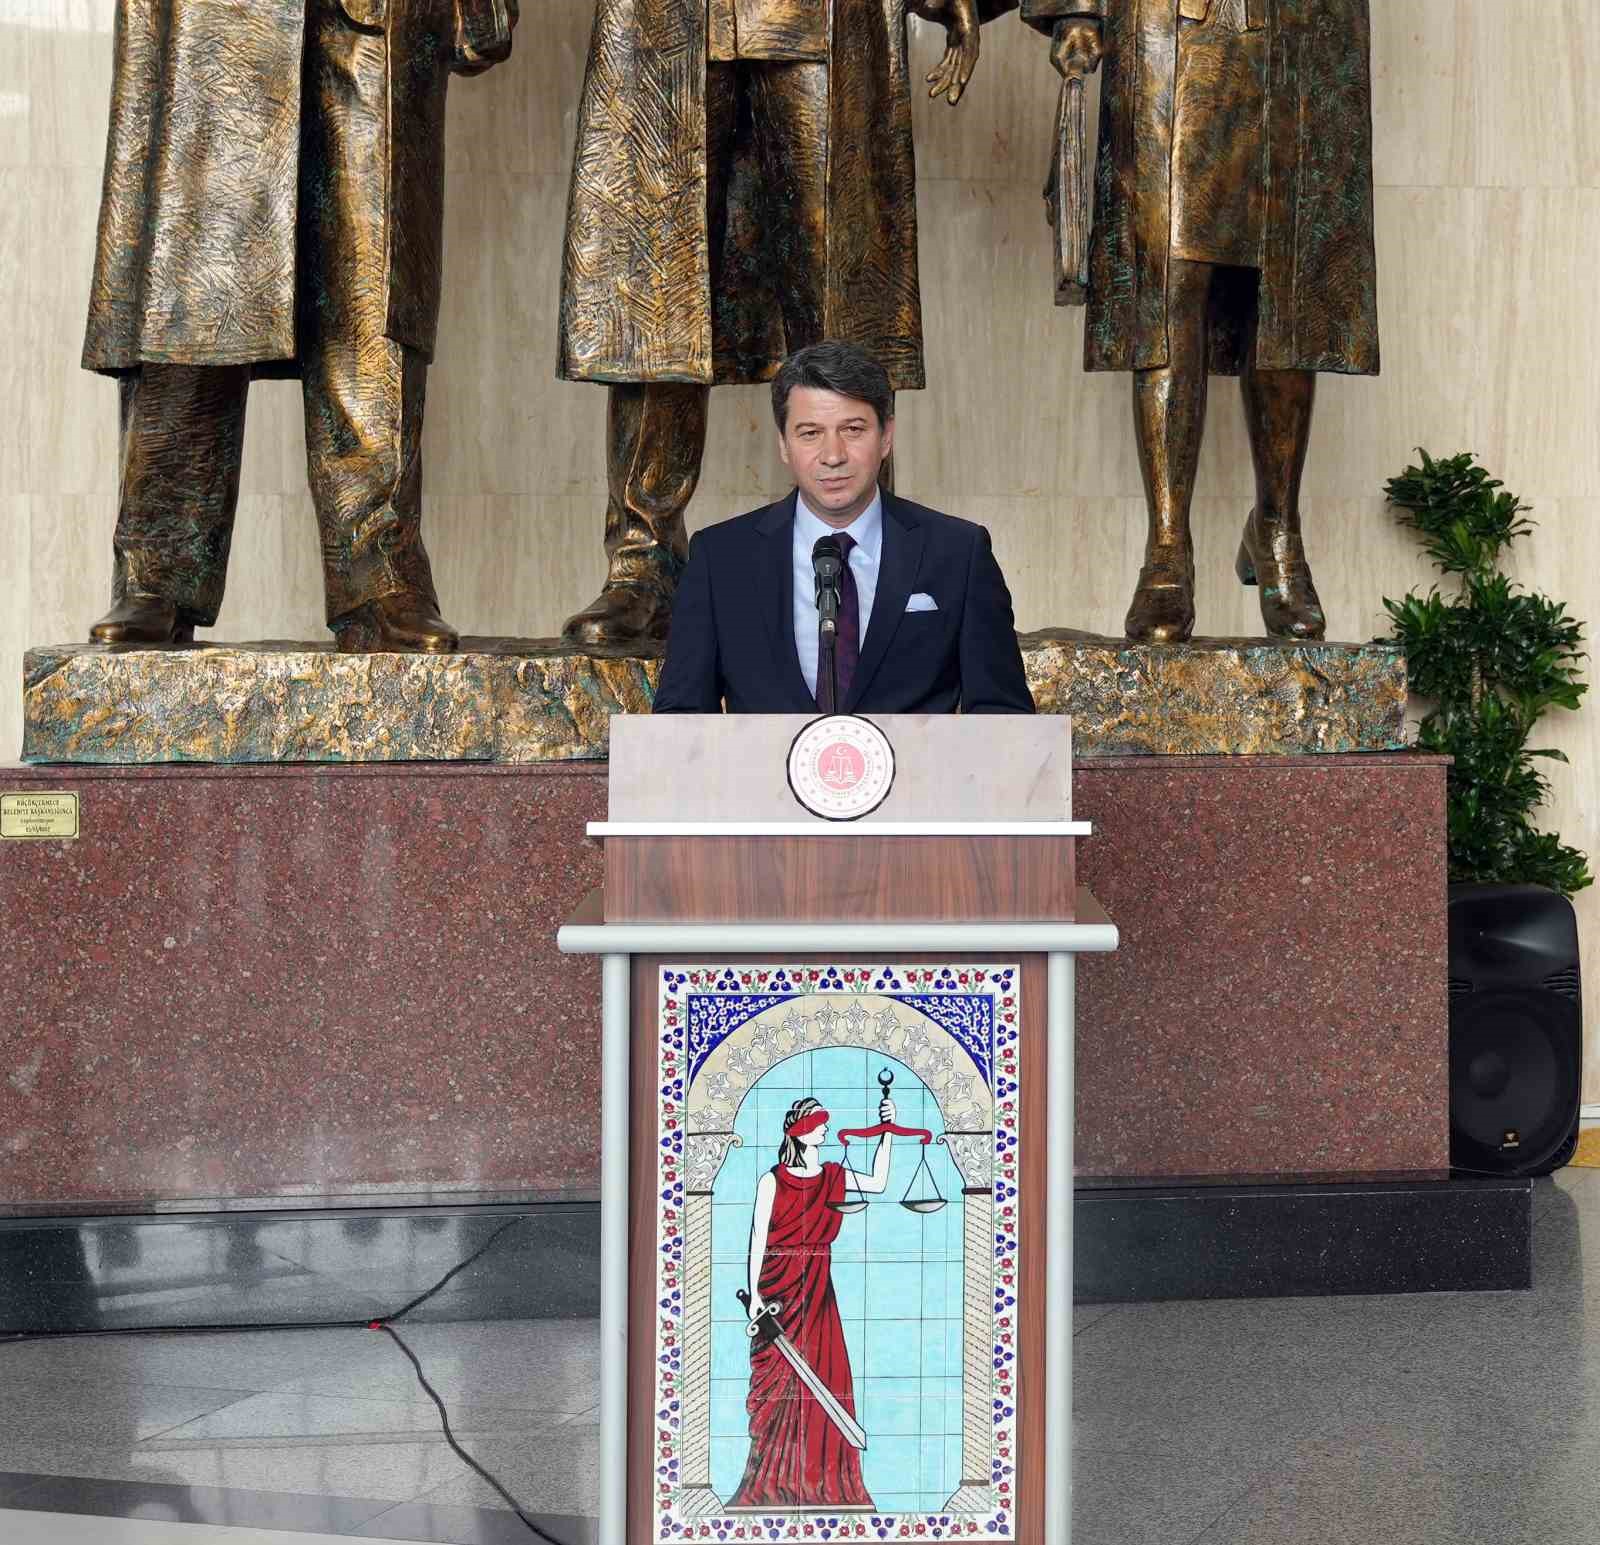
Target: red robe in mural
(798,1458)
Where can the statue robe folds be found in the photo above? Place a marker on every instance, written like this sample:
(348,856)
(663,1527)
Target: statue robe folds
(195,262)
(1316,307)
(798,1458)
(648,291)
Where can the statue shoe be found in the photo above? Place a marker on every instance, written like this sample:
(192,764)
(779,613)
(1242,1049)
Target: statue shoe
(395,624)
(627,614)
(1275,559)
(142,619)
(1163,601)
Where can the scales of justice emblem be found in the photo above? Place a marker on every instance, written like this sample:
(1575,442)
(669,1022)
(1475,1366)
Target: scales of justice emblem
(806,1452)
(842,766)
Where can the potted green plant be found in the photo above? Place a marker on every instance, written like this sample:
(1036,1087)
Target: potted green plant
(1491,659)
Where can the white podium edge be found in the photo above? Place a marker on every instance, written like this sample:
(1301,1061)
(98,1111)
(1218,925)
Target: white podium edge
(617,943)
(822,828)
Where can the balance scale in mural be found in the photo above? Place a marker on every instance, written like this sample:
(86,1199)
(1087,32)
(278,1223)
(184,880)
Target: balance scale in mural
(837,1252)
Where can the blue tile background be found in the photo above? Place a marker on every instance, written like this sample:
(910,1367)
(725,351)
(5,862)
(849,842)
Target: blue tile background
(898,1277)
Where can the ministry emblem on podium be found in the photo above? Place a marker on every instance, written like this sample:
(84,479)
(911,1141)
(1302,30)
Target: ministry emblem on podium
(841,767)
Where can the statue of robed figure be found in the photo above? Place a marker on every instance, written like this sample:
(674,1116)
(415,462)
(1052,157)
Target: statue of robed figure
(273,205)
(1232,235)
(742,185)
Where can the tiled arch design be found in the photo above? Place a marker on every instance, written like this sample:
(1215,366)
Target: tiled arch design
(951,1074)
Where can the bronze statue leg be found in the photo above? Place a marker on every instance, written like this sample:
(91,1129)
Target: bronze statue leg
(182,439)
(1169,410)
(1277,408)
(655,440)
(364,392)
(790,113)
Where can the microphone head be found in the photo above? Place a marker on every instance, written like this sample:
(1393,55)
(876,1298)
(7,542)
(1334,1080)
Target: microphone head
(827,557)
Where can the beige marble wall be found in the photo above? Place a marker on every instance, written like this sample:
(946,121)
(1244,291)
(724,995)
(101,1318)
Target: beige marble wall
(1488,226)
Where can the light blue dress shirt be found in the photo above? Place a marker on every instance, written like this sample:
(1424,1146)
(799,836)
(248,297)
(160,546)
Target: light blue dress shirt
(865,556)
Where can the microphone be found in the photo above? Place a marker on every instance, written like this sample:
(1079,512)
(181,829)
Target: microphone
(827,565)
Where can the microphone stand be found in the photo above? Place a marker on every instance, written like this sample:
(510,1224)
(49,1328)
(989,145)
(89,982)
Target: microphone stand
(827,567)
(827,637)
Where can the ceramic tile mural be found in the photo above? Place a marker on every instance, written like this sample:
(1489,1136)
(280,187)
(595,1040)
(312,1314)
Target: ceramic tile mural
(848,1138)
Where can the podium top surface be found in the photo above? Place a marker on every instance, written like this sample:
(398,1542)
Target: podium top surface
(732,769)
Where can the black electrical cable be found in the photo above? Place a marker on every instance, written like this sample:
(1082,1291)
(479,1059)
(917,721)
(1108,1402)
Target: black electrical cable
(385,1323)
(450,1437)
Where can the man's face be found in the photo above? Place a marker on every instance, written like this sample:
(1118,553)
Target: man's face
(834,446)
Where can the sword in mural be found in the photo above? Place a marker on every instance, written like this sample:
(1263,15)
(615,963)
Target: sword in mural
(765,1329)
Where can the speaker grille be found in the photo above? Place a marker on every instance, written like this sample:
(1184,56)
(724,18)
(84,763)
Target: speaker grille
(1459,985)
(1514,1066)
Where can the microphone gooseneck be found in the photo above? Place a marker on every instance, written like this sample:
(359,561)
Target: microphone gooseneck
(827,569)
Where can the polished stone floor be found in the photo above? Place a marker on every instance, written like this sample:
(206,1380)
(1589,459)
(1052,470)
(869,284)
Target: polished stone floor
(1425,1420)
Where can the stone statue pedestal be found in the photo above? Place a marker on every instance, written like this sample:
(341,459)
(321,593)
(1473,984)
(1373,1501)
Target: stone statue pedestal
(321,957)
(519,701)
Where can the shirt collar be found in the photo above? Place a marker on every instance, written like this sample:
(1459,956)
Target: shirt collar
(866,528)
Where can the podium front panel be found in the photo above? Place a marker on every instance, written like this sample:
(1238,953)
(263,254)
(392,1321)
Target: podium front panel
(903,1393)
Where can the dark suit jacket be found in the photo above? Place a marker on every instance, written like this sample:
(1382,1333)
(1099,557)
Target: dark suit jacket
(732,639)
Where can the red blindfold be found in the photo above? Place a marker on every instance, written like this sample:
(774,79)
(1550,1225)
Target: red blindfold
(810,1123)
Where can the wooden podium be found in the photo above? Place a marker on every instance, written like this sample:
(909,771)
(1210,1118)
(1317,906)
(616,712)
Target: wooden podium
(770,977)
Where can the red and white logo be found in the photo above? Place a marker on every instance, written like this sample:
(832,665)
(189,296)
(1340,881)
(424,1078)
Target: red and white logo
(841,767)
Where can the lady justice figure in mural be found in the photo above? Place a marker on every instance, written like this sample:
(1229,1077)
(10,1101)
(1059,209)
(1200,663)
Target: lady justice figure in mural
(804,1441)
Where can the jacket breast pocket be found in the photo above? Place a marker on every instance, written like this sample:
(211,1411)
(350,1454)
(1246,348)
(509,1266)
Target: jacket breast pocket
(921,630)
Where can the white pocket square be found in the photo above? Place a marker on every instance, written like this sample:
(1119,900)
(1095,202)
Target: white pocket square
(922,602)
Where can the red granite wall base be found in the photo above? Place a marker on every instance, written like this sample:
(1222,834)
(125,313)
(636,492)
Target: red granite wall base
(1279,1000)
(319,980)
(315,981)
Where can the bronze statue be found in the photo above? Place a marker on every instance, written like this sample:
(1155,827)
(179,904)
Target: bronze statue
(742,185)
(272,206)
(1232,235)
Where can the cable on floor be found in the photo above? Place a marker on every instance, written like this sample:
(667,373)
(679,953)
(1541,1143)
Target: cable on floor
(384,1323)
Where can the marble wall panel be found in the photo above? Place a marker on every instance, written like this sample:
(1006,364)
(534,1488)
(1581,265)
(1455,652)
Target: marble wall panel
(1539,363)
(275,573)
(1488,207)
(67,578)
(1536,66)
(1424,90)
(68,49)
(17,380)
(16,533)
(71,414)
(16,139)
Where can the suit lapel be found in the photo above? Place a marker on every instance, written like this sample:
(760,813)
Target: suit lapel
(897,573)
(775,576)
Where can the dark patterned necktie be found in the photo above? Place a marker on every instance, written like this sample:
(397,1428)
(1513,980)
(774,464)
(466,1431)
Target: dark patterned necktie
(847,641)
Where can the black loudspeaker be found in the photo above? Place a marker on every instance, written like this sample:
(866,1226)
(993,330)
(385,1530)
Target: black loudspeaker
(1516,1029)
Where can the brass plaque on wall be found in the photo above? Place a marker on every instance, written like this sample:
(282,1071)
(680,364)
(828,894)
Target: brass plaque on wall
(39,816)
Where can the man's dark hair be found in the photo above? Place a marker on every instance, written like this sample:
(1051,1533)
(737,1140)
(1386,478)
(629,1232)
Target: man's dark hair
(832,366)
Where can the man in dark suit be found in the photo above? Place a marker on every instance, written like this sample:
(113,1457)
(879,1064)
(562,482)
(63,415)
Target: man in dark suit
(925,620)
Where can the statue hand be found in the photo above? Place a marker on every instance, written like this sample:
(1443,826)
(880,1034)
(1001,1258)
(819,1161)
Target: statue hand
(950,76)
(886,1111)
(1076,48)
(473,51)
